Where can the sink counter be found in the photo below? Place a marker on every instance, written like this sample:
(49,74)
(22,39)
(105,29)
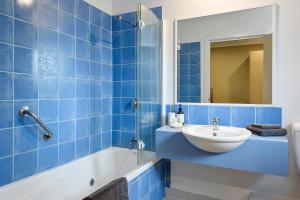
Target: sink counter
(267,155)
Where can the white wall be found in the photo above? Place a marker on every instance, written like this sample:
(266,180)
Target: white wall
(105,5)
(288,87)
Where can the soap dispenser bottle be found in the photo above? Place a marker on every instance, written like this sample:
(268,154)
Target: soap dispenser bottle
(180,115)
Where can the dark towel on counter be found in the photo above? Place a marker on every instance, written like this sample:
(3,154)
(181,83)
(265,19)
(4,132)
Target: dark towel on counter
(266,126)
(267,132)
(115,190)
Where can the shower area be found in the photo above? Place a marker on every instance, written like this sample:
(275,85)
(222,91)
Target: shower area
(80,91)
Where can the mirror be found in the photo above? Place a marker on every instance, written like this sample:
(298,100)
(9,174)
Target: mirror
(226,58)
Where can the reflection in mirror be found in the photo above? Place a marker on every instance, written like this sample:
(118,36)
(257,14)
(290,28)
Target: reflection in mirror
(226,58)
(240,71)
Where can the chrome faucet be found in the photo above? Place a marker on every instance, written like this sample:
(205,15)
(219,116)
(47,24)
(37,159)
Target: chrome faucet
(215,123)
(139,144)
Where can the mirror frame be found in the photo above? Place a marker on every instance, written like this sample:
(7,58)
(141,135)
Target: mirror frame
(205,76)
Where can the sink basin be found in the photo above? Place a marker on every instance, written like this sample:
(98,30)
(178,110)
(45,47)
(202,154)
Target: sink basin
(216,141)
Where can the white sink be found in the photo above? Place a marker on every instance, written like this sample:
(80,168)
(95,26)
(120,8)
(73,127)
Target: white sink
(216,141)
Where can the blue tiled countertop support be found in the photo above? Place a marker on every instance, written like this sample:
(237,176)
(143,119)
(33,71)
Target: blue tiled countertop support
(267,155)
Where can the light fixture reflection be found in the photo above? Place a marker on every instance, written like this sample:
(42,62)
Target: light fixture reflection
(25,3)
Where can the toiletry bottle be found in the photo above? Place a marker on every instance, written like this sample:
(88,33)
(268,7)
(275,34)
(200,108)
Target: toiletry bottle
(171,119)
(180,116)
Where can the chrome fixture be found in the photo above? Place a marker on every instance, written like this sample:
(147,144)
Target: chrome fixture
(135,104)
(24,111)
(215,123)
(132,142)
(139,143)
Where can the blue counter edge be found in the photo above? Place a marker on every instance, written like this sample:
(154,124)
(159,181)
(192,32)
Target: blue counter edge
(266,155)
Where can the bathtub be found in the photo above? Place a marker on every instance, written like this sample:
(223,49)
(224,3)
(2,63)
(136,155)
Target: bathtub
(72,181)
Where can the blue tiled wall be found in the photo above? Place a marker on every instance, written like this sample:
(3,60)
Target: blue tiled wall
(189,73)
(56,58)
(151,183)
(238,116)
(124,84)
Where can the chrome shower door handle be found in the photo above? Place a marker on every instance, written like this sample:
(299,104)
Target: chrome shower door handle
(135,104)
(25,111)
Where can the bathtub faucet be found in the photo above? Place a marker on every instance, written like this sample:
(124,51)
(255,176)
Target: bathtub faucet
(135,143)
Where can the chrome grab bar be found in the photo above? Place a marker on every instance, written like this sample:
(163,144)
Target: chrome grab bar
(25,111)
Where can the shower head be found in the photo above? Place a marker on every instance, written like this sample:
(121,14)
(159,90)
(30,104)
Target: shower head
(120,18)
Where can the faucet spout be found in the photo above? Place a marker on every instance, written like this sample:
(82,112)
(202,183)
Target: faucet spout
(215,123)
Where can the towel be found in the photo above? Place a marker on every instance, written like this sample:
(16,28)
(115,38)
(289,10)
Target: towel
(266,126)
(267,132)
(115,190)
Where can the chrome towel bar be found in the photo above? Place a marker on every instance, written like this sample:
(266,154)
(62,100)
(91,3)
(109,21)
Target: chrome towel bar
(25,111)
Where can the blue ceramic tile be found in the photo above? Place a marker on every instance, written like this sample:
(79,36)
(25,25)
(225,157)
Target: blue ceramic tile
(184,48)
(95,71)
(23,121)
(54,139)
(133,191)
(195,90)
(95,35)
(26,12)
(195,69)
(82,29)
(67,6)
(52,3)
(144,184)
(6,7)
(106,123)
(128,55)
(195,47)
(25,139)
(95,143)
(6,29)
(82,49)
(66,88)
(82,147)
(82,108)
(185,80)
(184,59)
(117,89)
(6,142)
(82,128)
(128,17)
(67,66)
(66,23)
(25,87)
(6,58)
(95,125)
(6,85)
(25,60)
(48,40)
(66,131)
(95,16)
(95,107)
(95,89)
(106,140)
(195,58)
(154,195)
(106,55)
(222,112)
(6,171)
(48,63)
(127,106)
(106,72)
(66,109)
(116,24)
(48,87)
(195,79)
(243,116)
(184,70)
(128,38)
(117,72)
(95,53)
(25,34)
(66,152)
(128,89)
(117,106)
(106,21)
(48,158)
(106,38)
(117,56)
(66,45)
(82,69)
(129,72)
(128,123)
(116,138)
(48,110)
(268,115)
(198,115)
(82,88)
(153,177)
(106,106)
(25,165)
(107,89)
(82,10)
(48,17)
(117,39)
(157,11)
